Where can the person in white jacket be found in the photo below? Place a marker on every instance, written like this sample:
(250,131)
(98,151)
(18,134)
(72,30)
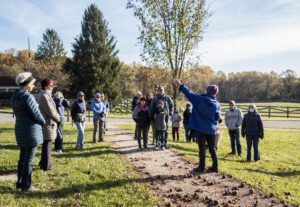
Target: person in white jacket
(175,119)
(233,121)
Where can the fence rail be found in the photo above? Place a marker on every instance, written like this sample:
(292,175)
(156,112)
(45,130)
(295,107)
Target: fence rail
(124,107)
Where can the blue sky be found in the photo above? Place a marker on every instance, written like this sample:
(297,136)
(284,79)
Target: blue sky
(242,34)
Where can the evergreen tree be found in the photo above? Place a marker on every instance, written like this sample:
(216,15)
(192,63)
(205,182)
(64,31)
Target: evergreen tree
(51,46)
(95,65)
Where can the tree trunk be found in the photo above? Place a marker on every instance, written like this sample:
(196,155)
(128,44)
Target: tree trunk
(175,94)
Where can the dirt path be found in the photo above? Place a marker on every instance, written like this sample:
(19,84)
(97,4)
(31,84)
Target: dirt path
(170,175)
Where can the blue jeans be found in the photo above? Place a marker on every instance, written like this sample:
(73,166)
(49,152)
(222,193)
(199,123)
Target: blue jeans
(187,132)
(252,140)
(25,165)
(80,127)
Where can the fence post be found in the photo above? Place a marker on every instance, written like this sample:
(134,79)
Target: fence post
(269,108)
(288,112)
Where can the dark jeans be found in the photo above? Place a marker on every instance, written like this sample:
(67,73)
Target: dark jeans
(160,138)
(175,131)
(59,139)
(25,165)
(235,140)
(135,132)
(46,163)
(142,131)
(166,132)
(210,140)
(187,132)
(255,141)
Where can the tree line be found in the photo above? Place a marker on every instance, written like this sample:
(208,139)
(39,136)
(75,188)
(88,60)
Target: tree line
(168,37)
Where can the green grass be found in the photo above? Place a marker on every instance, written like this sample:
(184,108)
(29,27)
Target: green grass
(277,172)
(95,176)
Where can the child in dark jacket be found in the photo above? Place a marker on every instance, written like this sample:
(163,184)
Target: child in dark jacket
(141,116)
(252,128)
(160,124)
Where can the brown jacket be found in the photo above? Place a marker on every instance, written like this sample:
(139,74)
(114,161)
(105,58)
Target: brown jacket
(52,117)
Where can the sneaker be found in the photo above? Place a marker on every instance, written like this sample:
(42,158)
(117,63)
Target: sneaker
(156,147)
(163,148)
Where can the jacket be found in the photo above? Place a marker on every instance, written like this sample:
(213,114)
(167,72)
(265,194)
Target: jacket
(29,119)
(252,125)
(61,104)
(49,111)
(233,119)
(98,109)
(141,115)
(78,107)
(186,116)
(206,111)
(175,119)
(160,117)
(134,102)
(168,104)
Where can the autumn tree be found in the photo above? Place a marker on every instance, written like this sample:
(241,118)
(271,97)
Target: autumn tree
(170,31)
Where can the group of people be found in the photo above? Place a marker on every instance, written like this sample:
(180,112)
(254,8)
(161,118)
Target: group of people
(201,120)
(252,129)
(40,121)
(153,111)
(36,123)
(100,108)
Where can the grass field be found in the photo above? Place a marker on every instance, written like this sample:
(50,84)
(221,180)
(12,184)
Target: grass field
(278,171)
(95,176)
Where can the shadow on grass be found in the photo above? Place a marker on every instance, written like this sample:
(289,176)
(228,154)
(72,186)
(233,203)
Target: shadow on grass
(9,147)
(278,173)
(83,153)
(85,188)
(7,171)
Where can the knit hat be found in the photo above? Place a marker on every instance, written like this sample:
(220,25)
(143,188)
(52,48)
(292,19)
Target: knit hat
(212,90)
(46,82)
(98,95)
(24,78)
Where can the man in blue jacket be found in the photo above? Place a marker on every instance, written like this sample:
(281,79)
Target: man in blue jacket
(204,119)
